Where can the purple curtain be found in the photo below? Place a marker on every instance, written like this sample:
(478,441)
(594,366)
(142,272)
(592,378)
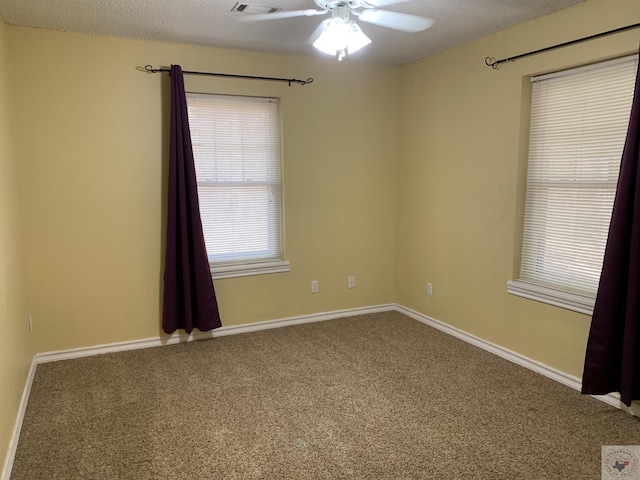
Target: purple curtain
(612,362)
(189,297)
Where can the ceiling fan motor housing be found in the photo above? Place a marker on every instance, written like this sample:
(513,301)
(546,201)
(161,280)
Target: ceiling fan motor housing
(341,11)
(348,4)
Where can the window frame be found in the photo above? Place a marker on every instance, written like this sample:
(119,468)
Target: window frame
(582,302)
(232,265)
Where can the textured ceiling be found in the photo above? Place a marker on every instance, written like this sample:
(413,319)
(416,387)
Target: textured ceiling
(212,23)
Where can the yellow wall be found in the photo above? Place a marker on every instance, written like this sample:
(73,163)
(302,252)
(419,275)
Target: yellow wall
(15,349)
(92,137)
(462,157)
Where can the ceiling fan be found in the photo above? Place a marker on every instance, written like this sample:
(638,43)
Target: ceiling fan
(341,35)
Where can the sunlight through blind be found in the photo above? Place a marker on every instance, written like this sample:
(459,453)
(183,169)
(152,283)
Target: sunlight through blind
(579,120)
(236,147)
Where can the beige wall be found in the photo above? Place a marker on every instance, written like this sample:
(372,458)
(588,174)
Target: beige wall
(92,138)
(462,157)
(15,349)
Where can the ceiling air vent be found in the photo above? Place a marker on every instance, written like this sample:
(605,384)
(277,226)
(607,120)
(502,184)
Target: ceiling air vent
(246,8)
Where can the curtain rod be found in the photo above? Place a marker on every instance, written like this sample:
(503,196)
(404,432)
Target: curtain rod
(150,69)
(491,62)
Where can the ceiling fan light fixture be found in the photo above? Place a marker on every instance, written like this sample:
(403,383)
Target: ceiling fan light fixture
(341,37)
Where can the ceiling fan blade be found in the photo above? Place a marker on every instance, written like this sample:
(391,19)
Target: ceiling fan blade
(258,17)
(398,21)
(381,3)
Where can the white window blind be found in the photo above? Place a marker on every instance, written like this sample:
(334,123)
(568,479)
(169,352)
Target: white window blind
(579,120)
(236,146)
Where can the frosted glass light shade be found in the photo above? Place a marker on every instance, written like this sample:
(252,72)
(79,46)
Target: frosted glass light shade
(340,37)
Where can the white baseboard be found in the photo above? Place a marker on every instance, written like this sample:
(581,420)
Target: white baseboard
(550,372)
(561,377)
(15,435)
(219,332)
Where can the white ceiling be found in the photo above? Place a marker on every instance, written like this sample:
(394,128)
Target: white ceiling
(212,23)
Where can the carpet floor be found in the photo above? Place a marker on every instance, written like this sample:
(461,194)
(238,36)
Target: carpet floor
(377,396)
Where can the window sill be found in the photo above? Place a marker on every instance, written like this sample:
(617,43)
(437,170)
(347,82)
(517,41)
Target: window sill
(570,301)
(248,269)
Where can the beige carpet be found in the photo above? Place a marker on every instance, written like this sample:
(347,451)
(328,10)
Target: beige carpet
(377,396)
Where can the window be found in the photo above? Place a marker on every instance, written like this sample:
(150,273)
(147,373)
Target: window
(579,121)
(236,147)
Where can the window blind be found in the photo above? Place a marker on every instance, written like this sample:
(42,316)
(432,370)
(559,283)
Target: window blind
(236,147)
(579,120)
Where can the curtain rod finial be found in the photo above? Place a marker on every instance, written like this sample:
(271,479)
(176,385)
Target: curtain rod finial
(491,62)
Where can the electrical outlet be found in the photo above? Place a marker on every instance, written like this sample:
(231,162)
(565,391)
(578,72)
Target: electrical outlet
(430,289)
(314,286)
(30,324)
(351,282)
